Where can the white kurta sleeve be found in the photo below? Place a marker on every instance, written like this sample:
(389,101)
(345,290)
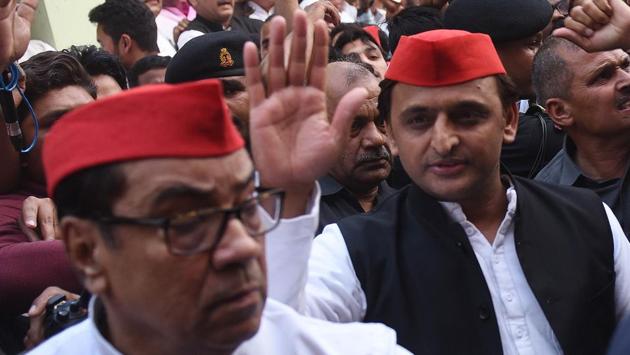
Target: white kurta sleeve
(186,36)
(313,276)
(621,250)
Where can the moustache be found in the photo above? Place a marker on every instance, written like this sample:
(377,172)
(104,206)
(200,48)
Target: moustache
(372,155)
(623,100)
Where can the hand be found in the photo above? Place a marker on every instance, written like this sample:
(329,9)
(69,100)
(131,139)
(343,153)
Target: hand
(293,141)
(181,27)
(15,29)
(437,4)
(37,313)
(598,25)
(39,219)
(323,10)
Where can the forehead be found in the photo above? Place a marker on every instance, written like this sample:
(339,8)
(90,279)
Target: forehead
(482,91)
(583,63)
(65,98)
(358,46)
(146,179)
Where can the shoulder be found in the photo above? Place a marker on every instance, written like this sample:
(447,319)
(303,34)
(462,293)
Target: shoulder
(283,330)
(560,194)
(552,171)
(74,340)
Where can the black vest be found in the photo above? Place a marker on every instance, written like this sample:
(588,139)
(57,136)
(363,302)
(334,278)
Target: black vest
(421,277)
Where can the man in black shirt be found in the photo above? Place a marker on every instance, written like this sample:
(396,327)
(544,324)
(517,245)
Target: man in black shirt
(215,16)
(588,95)
(357,181)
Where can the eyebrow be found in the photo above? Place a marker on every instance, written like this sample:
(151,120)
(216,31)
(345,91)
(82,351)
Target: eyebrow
(184,190)
(607,64)
(50,118)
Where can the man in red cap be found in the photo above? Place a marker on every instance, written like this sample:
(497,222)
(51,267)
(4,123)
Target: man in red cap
(465,260)
(162,217)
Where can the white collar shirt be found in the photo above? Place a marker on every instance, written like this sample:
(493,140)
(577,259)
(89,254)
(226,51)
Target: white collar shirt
(325,285)
(523,327)
(259,12)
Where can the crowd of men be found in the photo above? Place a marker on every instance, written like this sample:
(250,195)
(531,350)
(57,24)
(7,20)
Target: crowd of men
(318,177)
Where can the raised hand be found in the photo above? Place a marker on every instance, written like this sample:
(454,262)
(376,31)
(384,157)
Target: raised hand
(598,25)
(293,141)
(15,29)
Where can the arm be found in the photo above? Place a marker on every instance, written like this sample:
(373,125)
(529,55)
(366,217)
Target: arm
(621,250)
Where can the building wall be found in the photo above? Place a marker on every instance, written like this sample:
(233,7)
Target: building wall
(62,23)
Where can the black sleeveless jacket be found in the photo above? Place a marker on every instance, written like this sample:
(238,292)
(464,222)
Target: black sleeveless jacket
(421,277)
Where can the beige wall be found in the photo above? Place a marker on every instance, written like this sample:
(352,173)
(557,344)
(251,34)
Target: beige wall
(62,23)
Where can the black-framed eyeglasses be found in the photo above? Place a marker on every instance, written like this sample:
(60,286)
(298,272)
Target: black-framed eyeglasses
(201,230)
(563,7)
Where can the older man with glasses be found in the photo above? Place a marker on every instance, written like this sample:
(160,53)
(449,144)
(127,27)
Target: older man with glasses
(162,215)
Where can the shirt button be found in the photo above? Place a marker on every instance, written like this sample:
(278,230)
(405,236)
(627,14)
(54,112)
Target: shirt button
(496,260)
(469,231)
(484,313)
(508,297)
(519,333)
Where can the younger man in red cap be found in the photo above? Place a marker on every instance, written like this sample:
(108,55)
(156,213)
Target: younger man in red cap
(465,260)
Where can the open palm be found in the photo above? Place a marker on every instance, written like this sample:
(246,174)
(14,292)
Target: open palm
(293,140)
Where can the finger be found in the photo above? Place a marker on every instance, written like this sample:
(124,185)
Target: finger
(595,13)
(346,110)
(297,58)
(276,74)
(319,57)
(605,6)
(573,36)
(57,235)
(333,13)
(46,218)
(29,211)
(26,10)
(578,28)
(253,76)
(578,15)
(30,233)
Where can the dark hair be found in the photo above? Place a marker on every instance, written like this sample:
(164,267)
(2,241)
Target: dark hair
(411,21)
(505,87)
(144,65)
(118,17)
(98,62)
(355,59)
(91,193)
(51,70)
(349,32)
(550,76)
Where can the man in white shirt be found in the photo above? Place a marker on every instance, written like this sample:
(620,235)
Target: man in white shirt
(465,260)
(167,231)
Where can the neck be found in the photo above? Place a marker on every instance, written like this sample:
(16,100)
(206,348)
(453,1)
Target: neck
(487,208)
(602,159)
(130,336)
(366,197)
(135,55)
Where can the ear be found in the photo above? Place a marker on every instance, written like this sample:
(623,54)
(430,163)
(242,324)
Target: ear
(85,247)
(124,44)
(511,123)
(560,112)
(390,139)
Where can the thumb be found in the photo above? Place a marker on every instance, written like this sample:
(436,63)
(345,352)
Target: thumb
(347,109)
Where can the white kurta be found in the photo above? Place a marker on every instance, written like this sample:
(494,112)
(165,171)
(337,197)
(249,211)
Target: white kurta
(282,331)
(325,284)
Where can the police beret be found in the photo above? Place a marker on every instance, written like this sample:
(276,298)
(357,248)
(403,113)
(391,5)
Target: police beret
(213,55)
(502,20)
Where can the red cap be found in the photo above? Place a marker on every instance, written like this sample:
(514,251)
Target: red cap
(154,121)
(373,32)
(443,57)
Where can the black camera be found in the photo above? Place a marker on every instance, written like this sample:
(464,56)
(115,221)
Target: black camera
(62,313)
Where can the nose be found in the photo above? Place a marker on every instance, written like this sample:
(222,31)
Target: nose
(444,138)
(623,85)
(237,246)
(372,136)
